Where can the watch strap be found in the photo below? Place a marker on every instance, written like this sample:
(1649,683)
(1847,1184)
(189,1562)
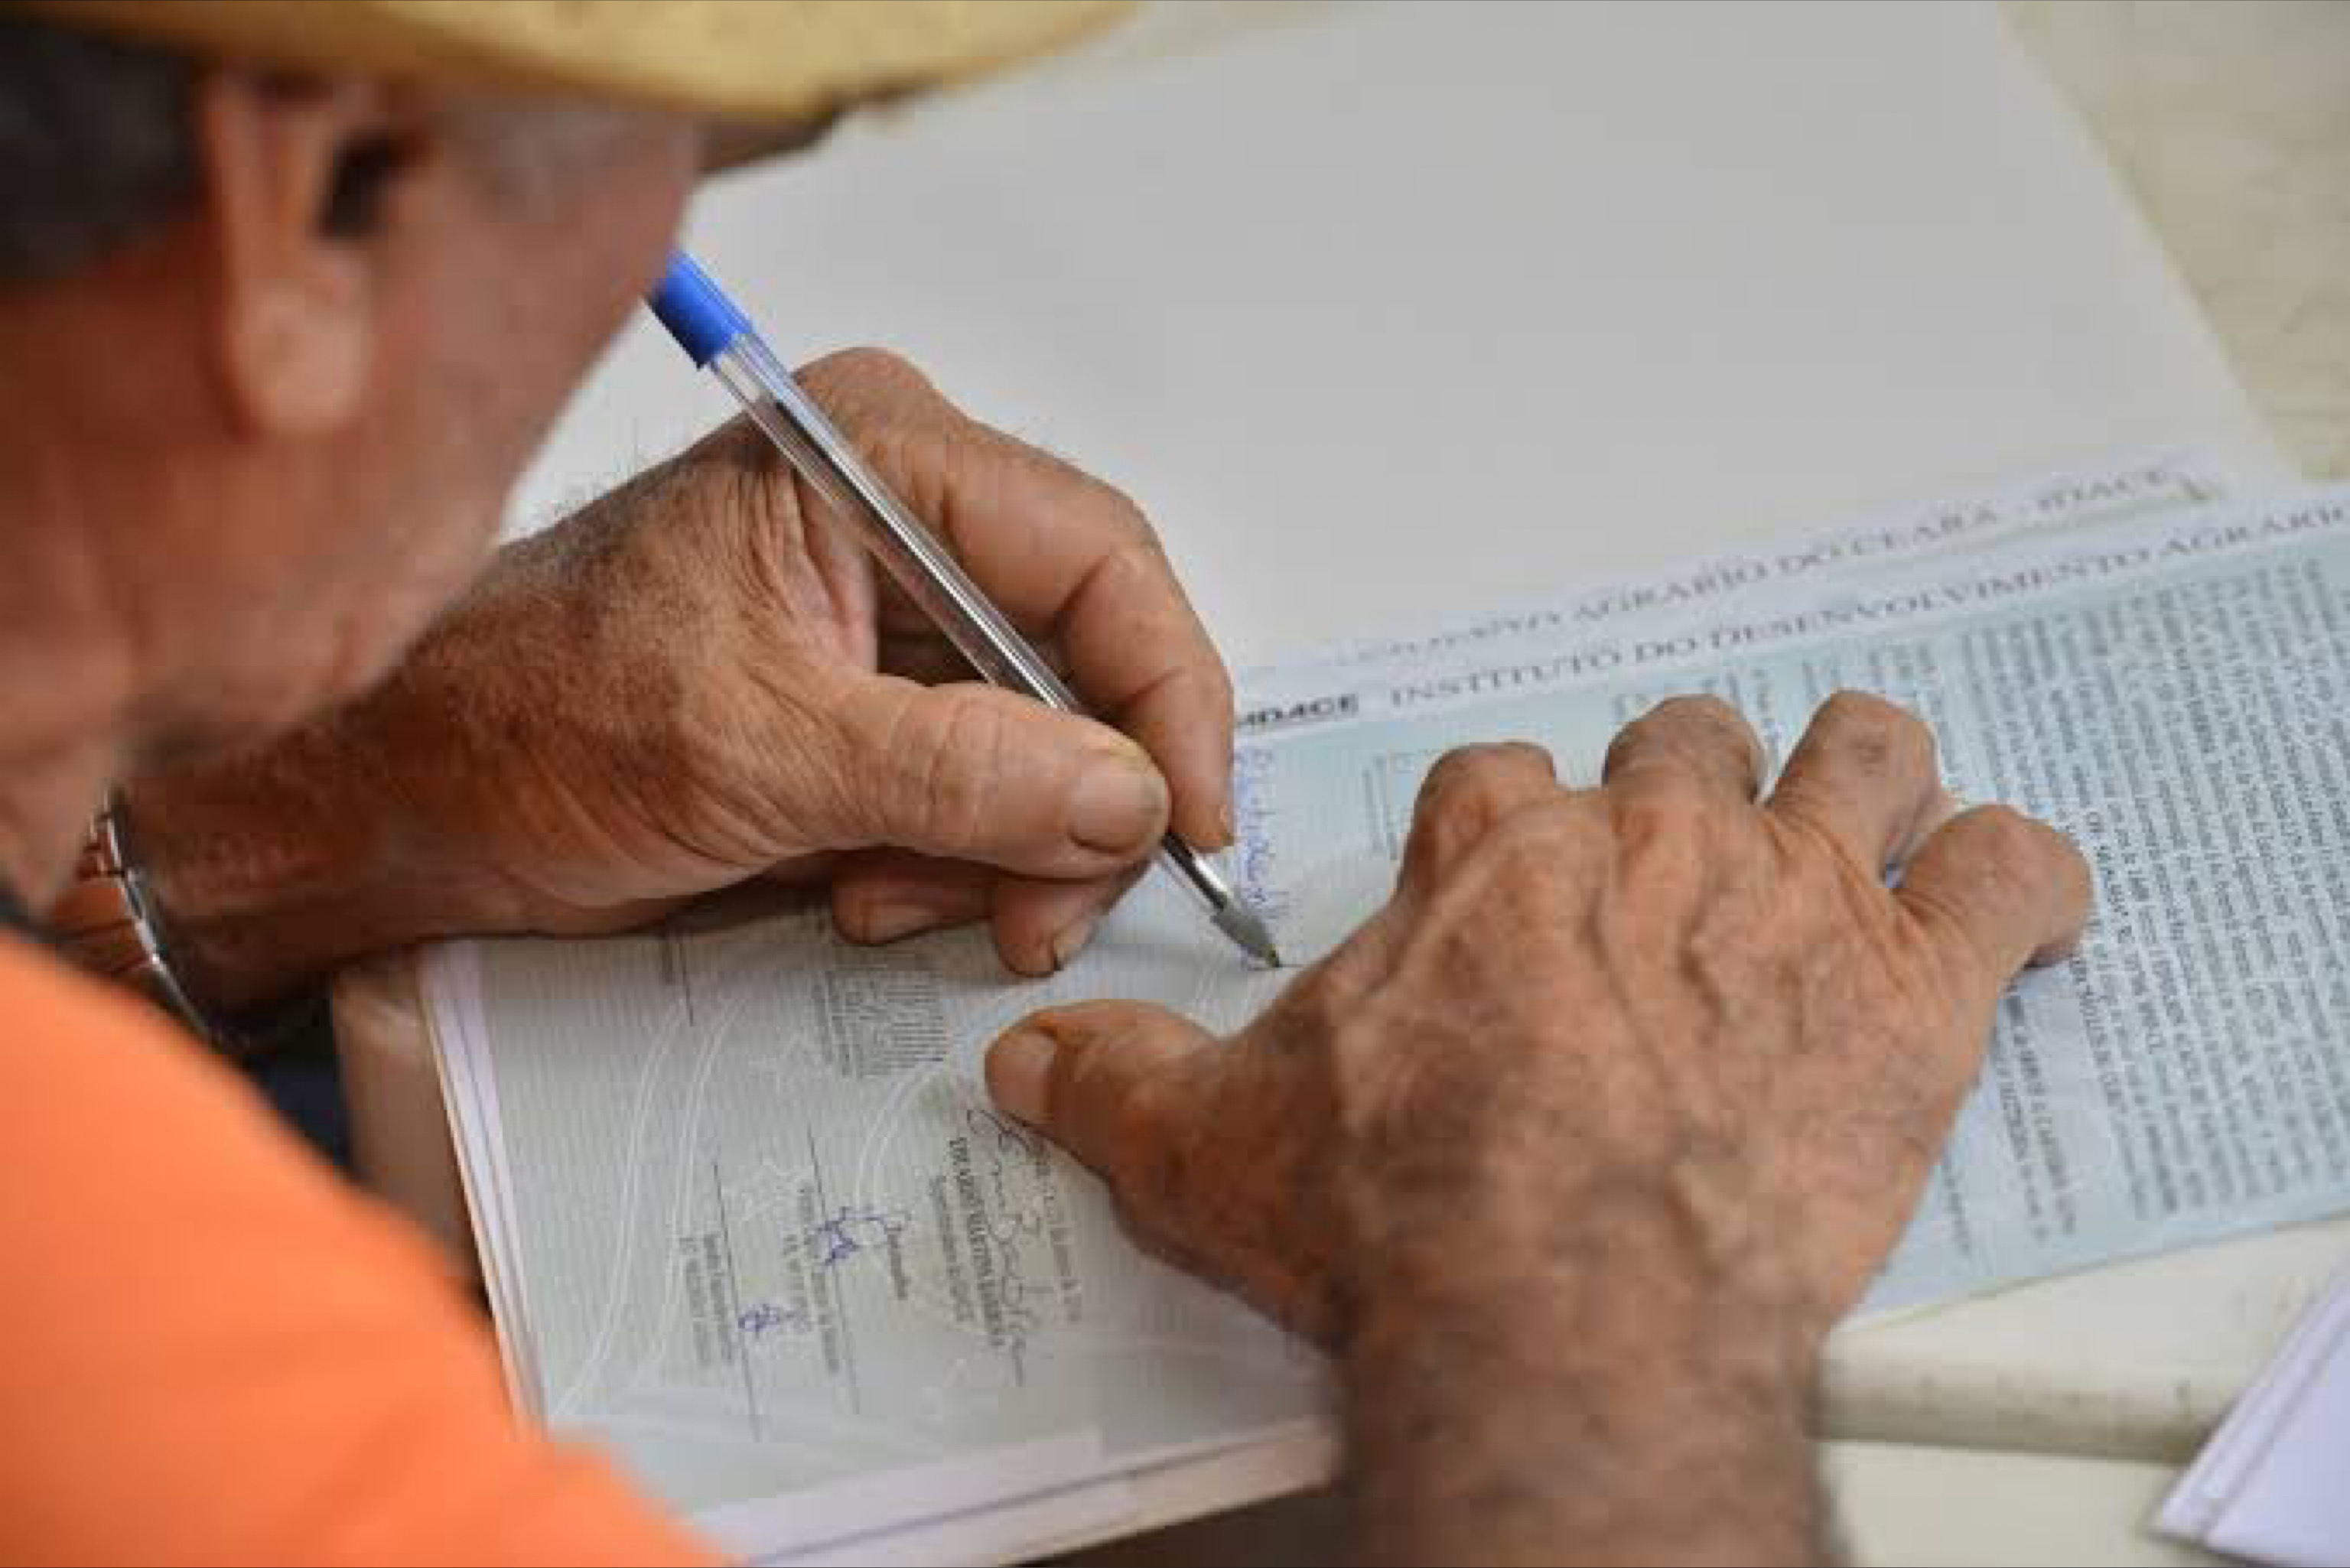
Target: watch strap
(107,923)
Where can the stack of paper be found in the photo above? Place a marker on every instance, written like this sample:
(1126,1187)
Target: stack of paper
(748,1219)
(2271,1487)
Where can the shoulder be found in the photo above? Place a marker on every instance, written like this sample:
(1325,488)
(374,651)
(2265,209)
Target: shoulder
(205,1319)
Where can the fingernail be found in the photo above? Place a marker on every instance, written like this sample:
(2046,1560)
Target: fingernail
(889,920)
(1020,1075)
(1228,825)
(1072,939)
(1120,804)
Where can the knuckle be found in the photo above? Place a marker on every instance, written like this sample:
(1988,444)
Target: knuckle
(1441,789)
(1969,948)
(879,800)
(967,758)
(1691,726)
(1527,848)
(736,447)
(1103,506)
(1640,729)
(1143,1108)
(1672,841)
(938,763)
(1110,1098)
(868,371)
(1468,788)
(1199,684)
(1224,699)
(1666,805)
(1524,753)
(1882,735)
(872,391)
(1131,572)
(1700,708)
(2009,841)
(1083,1077)
(1851,706)
(1076,1031)
(1710,715)
(1206,689)
(1122,509)
(2036,857)
(1449,767)
(2004,879)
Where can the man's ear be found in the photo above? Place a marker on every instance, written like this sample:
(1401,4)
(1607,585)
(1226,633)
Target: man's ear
(291,173)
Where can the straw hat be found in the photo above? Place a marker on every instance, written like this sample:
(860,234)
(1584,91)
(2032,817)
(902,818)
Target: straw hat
(736,60)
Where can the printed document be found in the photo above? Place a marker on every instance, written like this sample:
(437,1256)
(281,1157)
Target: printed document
(1903,539)
(749,1221)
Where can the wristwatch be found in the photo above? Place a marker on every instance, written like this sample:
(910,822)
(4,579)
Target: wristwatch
(110,924)
(107,923)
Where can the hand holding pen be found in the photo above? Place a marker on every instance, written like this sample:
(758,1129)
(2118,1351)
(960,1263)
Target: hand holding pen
(719,337)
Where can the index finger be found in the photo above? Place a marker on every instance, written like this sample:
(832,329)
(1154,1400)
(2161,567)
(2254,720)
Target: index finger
(1997,890)
(1056,548)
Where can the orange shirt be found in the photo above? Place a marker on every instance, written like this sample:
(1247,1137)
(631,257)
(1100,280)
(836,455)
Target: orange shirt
(214,1350)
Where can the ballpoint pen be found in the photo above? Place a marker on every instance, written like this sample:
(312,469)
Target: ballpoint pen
(718,338)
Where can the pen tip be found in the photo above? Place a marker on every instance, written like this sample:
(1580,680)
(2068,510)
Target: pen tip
(1239,922)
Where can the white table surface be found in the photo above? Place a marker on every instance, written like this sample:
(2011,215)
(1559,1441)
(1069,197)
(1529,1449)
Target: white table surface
(2230,124)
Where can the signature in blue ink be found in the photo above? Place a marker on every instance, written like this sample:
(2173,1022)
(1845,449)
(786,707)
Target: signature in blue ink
(854,1230)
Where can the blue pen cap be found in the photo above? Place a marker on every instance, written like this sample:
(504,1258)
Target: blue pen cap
(696,310)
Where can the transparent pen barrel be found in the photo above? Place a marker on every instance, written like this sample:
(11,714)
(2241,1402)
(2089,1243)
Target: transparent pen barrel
(921,566)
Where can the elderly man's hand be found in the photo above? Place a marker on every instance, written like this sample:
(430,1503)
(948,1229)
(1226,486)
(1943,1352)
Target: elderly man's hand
(701,679)
(1579,1146)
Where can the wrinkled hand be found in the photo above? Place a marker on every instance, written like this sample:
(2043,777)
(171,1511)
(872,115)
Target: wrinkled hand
(701,679)
(1656,999)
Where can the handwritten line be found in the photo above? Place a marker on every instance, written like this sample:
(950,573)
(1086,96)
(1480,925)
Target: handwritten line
(734,1305)
(827,1280)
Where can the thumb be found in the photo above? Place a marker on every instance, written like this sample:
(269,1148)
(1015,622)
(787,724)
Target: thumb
(971,773)
(1208,1146)
(1117,1083)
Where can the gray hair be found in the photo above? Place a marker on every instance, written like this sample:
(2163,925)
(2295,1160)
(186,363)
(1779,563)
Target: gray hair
(94,145)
